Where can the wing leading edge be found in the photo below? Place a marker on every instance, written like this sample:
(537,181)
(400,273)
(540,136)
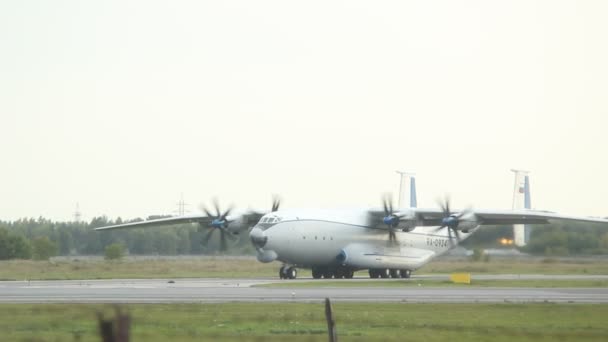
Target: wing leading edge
(433,217)
(240,221)
(197,218)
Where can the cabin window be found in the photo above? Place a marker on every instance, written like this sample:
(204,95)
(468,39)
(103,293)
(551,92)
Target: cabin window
(303,237)
(315,237)
(324,238)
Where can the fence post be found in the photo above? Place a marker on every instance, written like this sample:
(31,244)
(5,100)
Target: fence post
(123,325)
(114,329)
(331,323)
(106,328)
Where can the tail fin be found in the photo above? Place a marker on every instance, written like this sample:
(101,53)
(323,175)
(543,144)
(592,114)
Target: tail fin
(521,200)
(413,199)
(412,189)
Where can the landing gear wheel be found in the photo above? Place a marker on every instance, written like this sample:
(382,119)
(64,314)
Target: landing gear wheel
(316,273)
(406,273)
(340,273)
(328,273)
(282,272)
(349,274)
(376,273)
(385,273)
(292,273)
(395,273)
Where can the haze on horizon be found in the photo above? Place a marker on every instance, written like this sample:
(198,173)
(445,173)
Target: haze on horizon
(124,105)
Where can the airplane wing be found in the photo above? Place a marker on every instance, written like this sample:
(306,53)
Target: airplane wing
(196,218)
(432,217)
(237,221)
(417,217)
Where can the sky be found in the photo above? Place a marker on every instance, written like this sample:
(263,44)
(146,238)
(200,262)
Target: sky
(122,106)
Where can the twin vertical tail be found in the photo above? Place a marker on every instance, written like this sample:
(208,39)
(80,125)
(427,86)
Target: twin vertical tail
(412,189)
(413,200)
(521,200)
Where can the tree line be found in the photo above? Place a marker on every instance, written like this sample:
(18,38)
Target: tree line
(42,238)
(558,239)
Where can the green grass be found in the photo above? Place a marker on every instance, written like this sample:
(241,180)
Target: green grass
(161,268)
(306,322)
(243,268)
(518,266)
(544,283)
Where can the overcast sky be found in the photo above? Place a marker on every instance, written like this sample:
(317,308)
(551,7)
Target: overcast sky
(123,105)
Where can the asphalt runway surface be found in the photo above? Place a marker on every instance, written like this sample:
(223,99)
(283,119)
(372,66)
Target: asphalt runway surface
(244,290)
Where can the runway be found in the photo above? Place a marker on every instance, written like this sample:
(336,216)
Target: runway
(242,290)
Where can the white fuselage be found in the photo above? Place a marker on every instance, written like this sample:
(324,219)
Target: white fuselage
(308,238)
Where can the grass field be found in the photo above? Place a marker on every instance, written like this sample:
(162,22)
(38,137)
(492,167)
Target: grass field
(159,268)
(518,266)
(233,268)
(306,322)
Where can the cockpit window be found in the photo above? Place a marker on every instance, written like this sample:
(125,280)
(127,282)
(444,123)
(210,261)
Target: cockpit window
(267,222)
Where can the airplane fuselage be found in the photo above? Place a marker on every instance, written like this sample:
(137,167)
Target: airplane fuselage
(309,238)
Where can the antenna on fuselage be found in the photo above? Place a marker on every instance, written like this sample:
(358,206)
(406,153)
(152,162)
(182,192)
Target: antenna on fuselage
(413,200)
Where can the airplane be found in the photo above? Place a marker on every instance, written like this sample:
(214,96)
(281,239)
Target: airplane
(334,243)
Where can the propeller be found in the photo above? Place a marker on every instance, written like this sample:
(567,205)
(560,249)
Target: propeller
(390,219)
(276,203)
(219,222)
(451,221)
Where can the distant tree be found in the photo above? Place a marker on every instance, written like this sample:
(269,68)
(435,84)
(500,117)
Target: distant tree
(14,246)
(166,243)
(4,245)
(21,247)
(66,242)
(183,242)
(115,251)
(43,248)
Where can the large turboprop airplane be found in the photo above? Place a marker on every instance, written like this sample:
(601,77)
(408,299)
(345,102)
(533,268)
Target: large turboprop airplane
(387,241)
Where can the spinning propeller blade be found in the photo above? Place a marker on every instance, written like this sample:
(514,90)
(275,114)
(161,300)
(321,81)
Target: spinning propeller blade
(391,220)
(276,203)
(219,221)
(450,220)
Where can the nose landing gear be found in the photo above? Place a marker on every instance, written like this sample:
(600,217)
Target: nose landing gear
(286,272)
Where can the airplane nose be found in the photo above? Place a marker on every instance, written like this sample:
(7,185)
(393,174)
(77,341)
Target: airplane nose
(258,238)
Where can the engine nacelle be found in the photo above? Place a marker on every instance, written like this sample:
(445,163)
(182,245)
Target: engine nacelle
(236,224)
(407,225)
(467,225)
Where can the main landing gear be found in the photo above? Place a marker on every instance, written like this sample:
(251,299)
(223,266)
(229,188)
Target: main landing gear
(286,272)
(389,273)
(328,272)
